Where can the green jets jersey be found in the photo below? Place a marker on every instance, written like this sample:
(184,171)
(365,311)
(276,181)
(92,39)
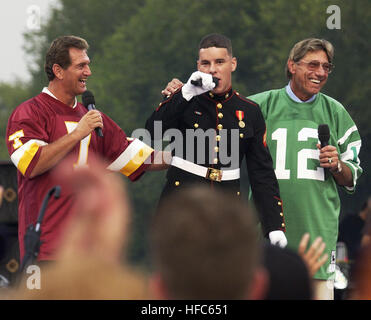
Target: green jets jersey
(310,198)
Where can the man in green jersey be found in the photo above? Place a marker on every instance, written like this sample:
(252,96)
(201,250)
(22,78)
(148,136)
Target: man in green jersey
(308,175)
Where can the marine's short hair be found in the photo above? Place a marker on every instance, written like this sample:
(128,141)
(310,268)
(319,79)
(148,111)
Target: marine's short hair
(216,40)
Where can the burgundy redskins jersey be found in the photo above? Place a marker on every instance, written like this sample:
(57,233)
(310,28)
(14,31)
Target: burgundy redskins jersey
(41,121)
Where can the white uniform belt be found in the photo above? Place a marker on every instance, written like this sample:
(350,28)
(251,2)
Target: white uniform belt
(208,173)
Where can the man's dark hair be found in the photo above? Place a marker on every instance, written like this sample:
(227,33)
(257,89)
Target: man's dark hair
(205,245)
(59,53)
(216,40)
(288,275)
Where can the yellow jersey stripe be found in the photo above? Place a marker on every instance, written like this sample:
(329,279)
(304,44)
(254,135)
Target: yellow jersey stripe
(137,160)
(131,157)
(23,156)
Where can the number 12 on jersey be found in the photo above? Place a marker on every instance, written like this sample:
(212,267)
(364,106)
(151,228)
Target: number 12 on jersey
(282,172)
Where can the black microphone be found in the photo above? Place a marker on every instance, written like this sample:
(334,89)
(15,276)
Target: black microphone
(89,102)
(198,82)
(323,134)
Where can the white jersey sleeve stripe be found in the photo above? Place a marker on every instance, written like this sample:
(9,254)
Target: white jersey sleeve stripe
(355,170)
(346,135)
(352,152)
(350,158)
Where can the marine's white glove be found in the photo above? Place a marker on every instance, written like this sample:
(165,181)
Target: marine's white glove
(277,237)
(189,90)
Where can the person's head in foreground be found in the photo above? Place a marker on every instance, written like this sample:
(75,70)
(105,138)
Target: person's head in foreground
(205,246)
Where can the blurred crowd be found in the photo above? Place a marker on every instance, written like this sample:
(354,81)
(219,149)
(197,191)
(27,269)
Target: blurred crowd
(203,246)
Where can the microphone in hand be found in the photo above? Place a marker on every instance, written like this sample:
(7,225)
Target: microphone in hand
(324,137)
(198,82)
(323,134)
(89,102)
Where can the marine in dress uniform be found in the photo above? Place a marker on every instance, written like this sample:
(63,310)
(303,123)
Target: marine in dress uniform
(234,129)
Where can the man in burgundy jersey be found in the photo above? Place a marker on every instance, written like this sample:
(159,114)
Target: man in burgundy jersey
(53,129)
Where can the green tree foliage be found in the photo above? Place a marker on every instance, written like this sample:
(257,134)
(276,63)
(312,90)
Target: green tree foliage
(11,95)
(91,19)
(350,81)
(137,47)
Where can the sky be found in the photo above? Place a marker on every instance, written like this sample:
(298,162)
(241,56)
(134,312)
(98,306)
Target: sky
(17,17)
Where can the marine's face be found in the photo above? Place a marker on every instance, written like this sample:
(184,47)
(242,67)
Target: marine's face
(218,63)
(307,80)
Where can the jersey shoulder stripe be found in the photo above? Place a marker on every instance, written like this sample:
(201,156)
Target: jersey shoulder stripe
(346,135)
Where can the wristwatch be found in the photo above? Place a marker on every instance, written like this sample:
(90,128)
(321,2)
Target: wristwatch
(338,169)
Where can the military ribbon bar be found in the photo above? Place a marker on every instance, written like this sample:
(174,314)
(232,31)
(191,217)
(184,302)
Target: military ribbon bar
(239,114)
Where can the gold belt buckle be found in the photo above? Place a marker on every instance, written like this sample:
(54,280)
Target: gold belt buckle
(214,174)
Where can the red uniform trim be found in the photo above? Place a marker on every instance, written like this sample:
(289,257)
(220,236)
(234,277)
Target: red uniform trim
(247,100)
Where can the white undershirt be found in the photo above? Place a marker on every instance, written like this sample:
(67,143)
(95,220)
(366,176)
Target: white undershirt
(47,91)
